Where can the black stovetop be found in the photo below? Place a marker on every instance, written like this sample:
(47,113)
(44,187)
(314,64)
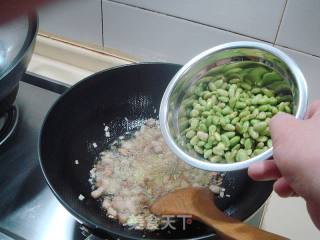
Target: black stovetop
(28,209)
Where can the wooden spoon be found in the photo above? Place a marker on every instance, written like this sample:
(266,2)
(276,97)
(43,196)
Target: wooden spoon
(199,202)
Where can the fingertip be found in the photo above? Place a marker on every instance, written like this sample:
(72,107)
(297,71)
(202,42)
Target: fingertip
(254,171)
(264,171)
(281,117)
(280,126)
(282,188)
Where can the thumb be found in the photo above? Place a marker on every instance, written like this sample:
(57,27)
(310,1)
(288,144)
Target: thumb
(281,126)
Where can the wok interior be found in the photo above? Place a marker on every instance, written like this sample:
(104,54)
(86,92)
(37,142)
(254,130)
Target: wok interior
(77,120)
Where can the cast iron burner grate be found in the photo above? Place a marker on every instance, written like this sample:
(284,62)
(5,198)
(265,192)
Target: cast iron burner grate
(8,123)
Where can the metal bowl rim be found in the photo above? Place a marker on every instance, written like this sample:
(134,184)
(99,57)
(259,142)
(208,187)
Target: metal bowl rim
(163,113)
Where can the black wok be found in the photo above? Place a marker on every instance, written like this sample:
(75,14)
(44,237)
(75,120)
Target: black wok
(76,121)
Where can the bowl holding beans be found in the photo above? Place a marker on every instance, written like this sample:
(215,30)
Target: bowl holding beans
(215,112)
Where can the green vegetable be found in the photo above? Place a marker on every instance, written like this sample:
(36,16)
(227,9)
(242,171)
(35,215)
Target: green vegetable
(260,126)
(207,153)
(253,133)
(190,134)
(242,155)
(202,135)
(248,143)
(235,140)
(225,117)
(198,149)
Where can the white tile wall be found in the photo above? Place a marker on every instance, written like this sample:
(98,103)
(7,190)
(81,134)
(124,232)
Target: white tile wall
(300,28)
(152,36)
(78,20)
(254,18)
(310,66)
(289,217)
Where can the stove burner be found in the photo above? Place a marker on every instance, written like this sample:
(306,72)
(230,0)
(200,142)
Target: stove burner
(8,123)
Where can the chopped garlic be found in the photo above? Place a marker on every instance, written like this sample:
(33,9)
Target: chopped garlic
(215,189)
(81,197)
(222,194)
(107,132)
(136,171)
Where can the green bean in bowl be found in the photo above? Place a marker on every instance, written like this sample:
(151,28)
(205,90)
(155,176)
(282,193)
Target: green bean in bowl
(215,112)
(229,109)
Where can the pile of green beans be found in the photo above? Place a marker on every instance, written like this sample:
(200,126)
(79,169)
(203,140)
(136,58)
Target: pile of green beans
(228,113)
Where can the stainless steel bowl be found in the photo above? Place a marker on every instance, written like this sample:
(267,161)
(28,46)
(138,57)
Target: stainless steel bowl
(17,39)
(172,119)
(12,39)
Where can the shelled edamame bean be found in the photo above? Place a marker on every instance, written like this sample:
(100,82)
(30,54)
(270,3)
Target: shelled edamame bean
(229,110)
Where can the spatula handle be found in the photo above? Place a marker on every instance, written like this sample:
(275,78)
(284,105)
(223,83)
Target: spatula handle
(236,230)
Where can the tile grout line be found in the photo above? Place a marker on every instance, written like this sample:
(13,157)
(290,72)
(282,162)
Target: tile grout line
(207,25)
(102,24)
(188,20)
(299,51)
(265,209)
(282,15)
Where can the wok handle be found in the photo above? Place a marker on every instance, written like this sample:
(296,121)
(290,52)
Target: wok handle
(231,229)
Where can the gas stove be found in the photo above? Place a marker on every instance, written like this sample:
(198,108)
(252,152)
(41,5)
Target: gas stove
(28,208)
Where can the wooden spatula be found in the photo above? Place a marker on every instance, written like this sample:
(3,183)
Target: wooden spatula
(199,203)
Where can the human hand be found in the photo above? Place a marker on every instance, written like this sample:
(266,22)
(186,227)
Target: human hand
(10,10)
(296,159)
